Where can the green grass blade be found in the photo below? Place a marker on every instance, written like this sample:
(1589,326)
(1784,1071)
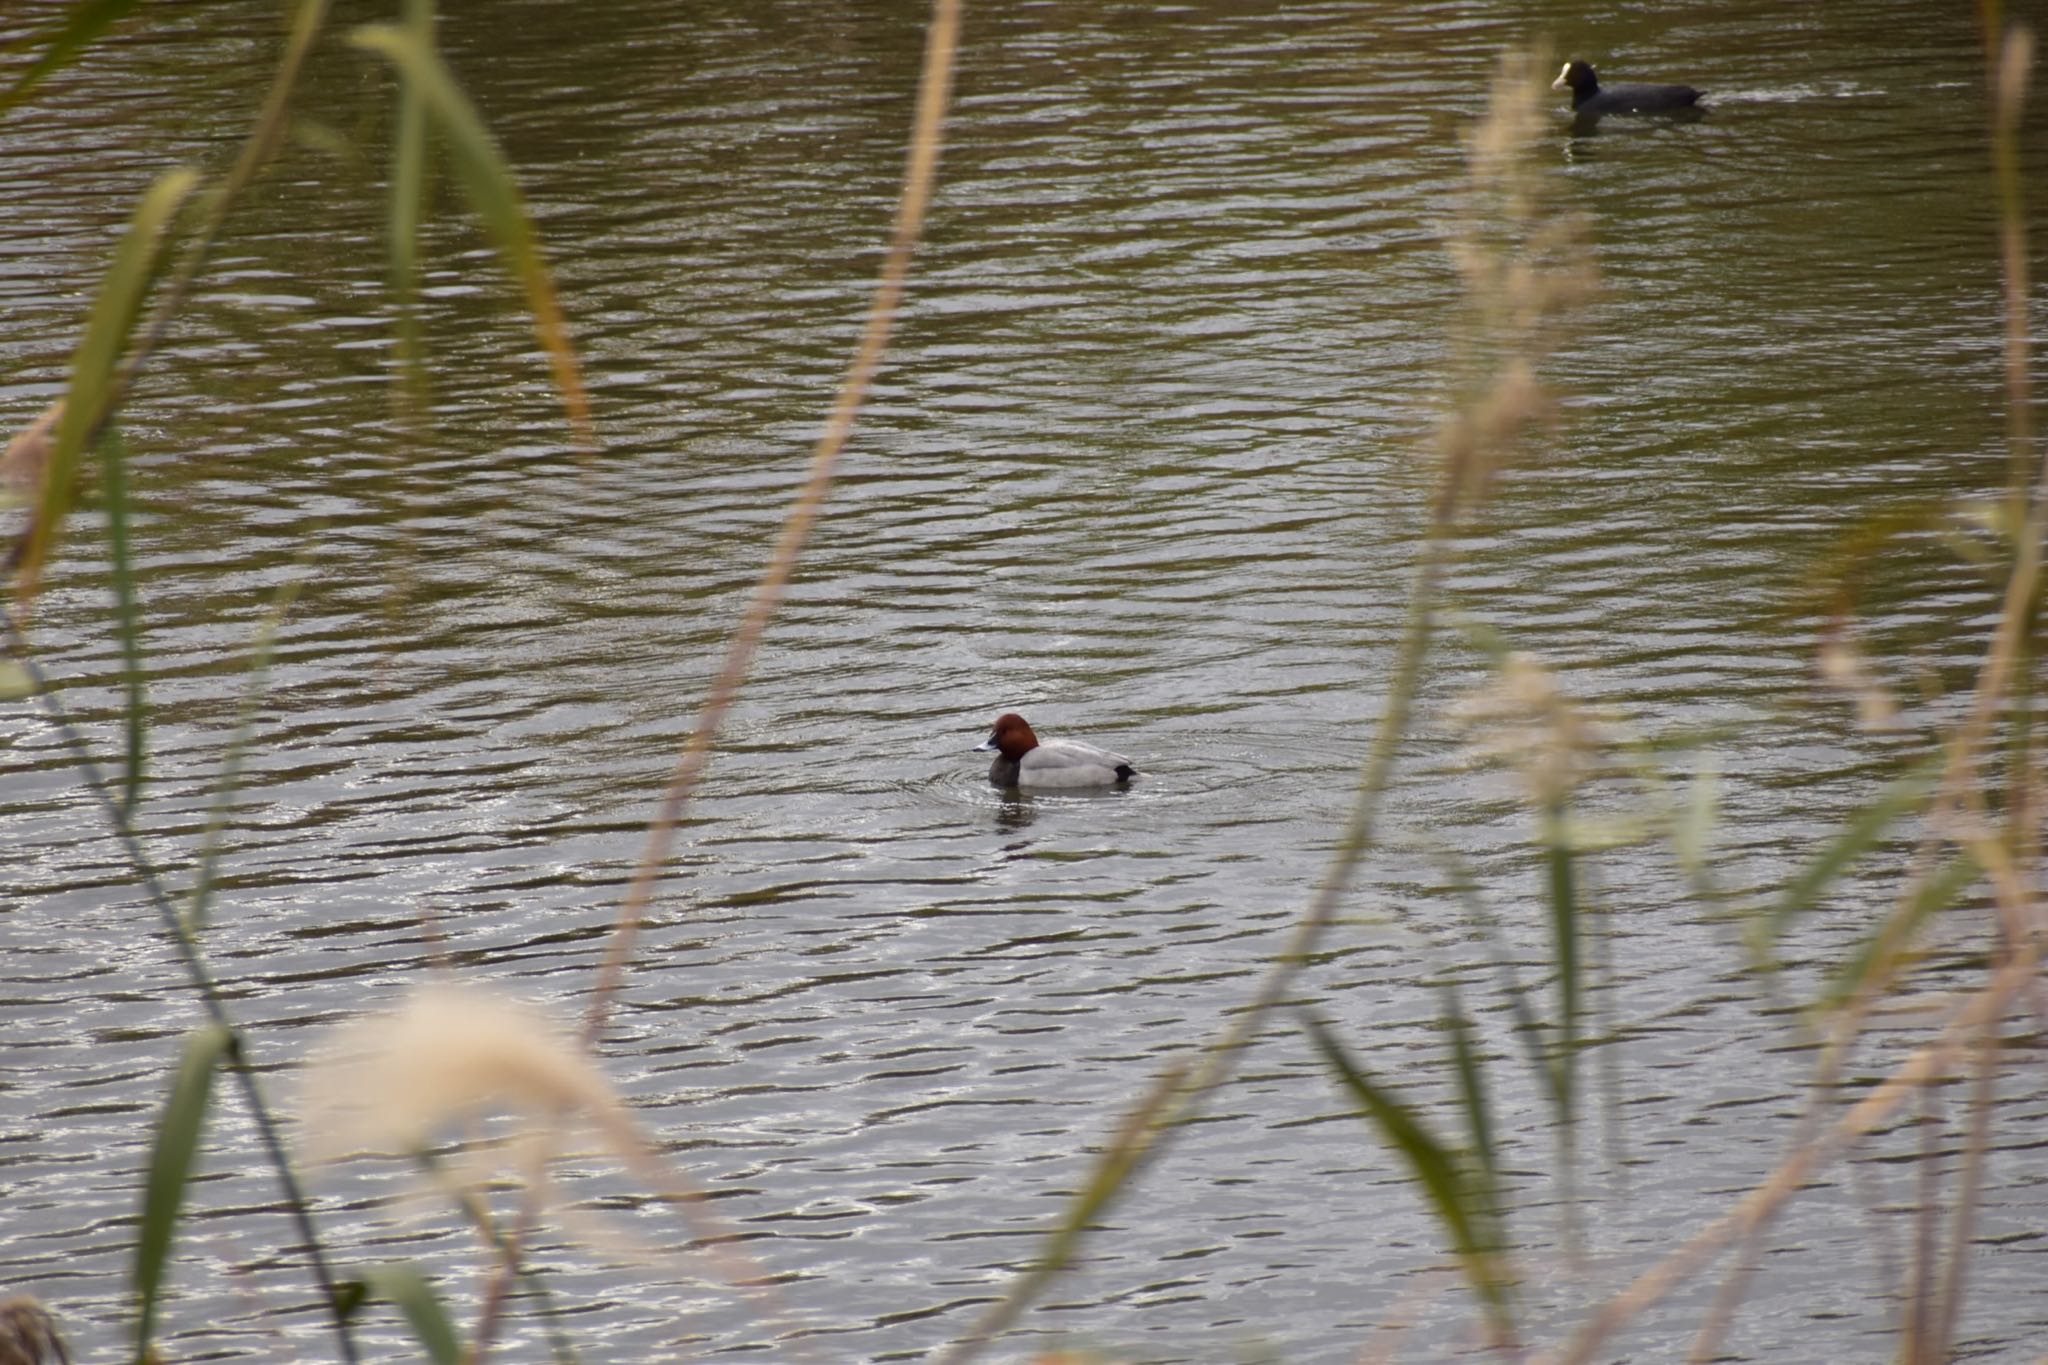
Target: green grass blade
(128,621)
(1436,1168)
(170,1168)
(1528,1028)
(409,162)
(492,192)
(1880,953)
(405,209)
(407,1289)
(1472,1094)
(1561,885)
(92,366)
(1862,833)
(86,22)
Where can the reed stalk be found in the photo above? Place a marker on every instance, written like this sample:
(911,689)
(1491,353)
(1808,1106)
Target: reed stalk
(920,171)
(200,977)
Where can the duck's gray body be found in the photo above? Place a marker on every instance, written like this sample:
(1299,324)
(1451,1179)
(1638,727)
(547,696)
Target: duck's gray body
(1025,760)
(1062,763)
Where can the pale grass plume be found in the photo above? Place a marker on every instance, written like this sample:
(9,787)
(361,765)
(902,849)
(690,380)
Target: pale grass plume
(448,1057)
(1521,717)
(1846,671)
(1525,265)
(457,1065)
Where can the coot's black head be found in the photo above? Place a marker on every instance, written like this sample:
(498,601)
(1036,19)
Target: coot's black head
(1578,78)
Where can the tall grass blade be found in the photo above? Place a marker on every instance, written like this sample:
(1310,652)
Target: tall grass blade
(1472,1096)
(1561,884)
(246,1079)
(170,1168)
(1528,1028)
(408,1290)
(409,162)
(488,184)
(92,366)
(1873,963)
(404,212)
(1439,1170)
(1861,834)
(128,622)
(86,22)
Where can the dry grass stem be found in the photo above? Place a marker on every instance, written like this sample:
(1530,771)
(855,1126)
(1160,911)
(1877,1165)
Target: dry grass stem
(22,471)
(28,1334)
(934,89)
(1927,1065)
(1521,717)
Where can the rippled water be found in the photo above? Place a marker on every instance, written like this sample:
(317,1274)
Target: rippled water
(1143,465)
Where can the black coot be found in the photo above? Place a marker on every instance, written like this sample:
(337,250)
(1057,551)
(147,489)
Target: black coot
(1590,99)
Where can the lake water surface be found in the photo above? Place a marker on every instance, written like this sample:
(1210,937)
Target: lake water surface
(1147,464)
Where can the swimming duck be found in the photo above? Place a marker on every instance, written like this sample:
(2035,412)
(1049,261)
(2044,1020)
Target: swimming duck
(1590,99)
(1025,760)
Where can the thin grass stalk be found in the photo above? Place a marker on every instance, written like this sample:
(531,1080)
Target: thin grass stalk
(478,1212)
(1720,1315)
(1562,887)
(933,96)
(1526,1026)
(493,193)
(1834,1054)
(1128,1149)
(1842,1035)
(257,149)
(1954,1278)
(2015,50)
(128,616)
(1607,1026)
(1919,1345)
(201,979)
(404,210)
(84,24)
(1932,1313)
(511,1252)
(2008,59)
(1928,1063)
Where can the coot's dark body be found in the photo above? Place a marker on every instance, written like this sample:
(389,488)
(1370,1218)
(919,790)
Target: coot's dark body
(1590,99)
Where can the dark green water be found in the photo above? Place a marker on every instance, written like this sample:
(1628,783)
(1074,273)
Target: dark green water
(1146,464)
